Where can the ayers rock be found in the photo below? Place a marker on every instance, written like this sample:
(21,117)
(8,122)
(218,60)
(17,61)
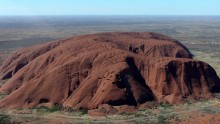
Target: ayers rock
(107,69)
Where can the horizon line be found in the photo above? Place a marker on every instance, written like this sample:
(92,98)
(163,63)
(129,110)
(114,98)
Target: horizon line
(108,15)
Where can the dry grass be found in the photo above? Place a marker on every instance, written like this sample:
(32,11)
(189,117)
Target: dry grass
(158,113)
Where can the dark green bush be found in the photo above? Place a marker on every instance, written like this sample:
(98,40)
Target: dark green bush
(48,109)
(5,119)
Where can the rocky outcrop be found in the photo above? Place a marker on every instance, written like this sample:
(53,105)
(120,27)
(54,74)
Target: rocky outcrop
(107,69)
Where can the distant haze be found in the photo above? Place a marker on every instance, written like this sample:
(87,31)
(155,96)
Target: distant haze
(109,7)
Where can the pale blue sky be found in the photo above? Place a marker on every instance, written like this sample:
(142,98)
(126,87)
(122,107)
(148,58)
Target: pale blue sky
(109,7)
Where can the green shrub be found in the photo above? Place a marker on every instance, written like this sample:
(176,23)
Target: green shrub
(165,105)
(204,100)
(161,119)
(2,95)
(125,113)
(83,111)
(210,110)
(5,119)
(139,115)
(48,109)
(188,102)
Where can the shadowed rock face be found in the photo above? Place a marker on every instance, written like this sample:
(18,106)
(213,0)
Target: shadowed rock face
(117,69)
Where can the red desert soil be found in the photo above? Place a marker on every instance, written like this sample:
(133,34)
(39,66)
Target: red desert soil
(108,72)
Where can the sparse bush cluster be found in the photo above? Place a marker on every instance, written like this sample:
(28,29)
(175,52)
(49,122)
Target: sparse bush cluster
(165,110)
(48,109)
(188,102)
(5,119)
(58,107)
(210,110)
(81,111)
(165,105)
(2,95)
(161,119)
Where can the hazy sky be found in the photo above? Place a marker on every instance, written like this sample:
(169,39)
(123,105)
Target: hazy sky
(109,7)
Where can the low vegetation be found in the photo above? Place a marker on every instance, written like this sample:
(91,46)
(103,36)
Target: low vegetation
(77,112)
(43,109)
(3,82)
(59,108)
(163,113)
(3,95)
(5,119)
(161,119)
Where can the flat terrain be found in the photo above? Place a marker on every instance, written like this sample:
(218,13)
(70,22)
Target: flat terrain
(204,111)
